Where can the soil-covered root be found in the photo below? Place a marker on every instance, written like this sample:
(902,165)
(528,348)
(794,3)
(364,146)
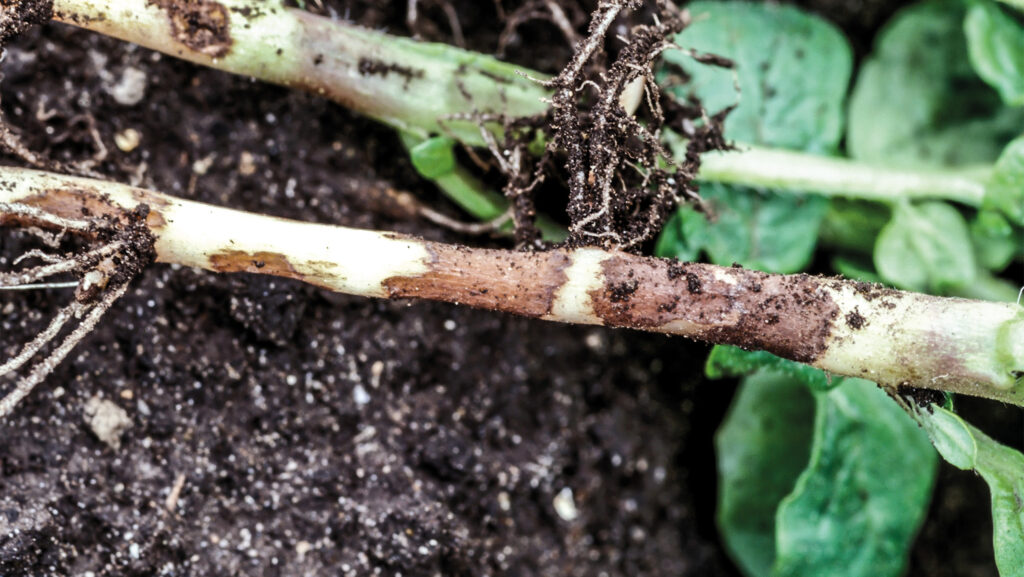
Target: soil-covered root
(623,184)
(124,248)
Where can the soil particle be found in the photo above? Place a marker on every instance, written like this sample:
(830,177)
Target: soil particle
(621,292)
(923,398)
(17,16)
(694,285)
(872,291)
(202,25)
(674,269)
(130,89)
(855,320)
(106,420)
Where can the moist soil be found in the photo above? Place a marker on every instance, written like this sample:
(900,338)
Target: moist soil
(272,428)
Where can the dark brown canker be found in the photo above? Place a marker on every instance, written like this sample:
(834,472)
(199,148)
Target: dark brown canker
(78,201)
(789,316)
(271,263)
(521,283)
(204,26)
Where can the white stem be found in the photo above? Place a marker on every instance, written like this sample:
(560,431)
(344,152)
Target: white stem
(893,337)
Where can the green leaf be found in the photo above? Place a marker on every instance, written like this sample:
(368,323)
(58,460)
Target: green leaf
(995,241)
(856,268)
(925,247)
(674,241)
(434,157)
(967,448)
(917,100)
(858,505)
(730,361)
(792,69)
(854,224)
(762,446)
(996,46)
(1005,190)
(774,232)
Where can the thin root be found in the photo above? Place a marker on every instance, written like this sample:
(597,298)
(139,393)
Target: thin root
(105,273)
(15,280)
(40,216)
(92,315)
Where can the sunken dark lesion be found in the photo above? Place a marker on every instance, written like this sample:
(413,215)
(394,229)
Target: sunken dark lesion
(525,284)
(790,316)
(261,262)
(383,69)
(203,26)
(82,201)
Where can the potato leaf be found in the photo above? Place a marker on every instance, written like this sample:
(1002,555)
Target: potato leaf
(854,224)
(769,231)
(792,69)
(917,100)
(763,445)
(858,505)
(434,157)
(1005,190)
(857,268)
(996,46)
(925,247)
(730,361)
(967,448)
(995,240)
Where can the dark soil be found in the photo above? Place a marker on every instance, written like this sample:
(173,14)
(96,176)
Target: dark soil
(276,429)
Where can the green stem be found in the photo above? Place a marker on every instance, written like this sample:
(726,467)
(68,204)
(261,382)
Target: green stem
(413,86)
(418,87)
(796,171)
(474,197)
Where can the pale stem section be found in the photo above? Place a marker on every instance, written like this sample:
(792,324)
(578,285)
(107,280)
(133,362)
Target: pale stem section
(895,338)
(413,86)
(948,344)
(213,238)
(419,87)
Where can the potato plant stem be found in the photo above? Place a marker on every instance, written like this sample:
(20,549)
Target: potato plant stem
(894,338)
(796,171)
(410,85)
(418,87)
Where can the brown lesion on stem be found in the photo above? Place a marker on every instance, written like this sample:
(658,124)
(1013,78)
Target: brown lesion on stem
(262,262)
(203,26)
(376,67)
(79,201)
(520,283)
(790,316)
